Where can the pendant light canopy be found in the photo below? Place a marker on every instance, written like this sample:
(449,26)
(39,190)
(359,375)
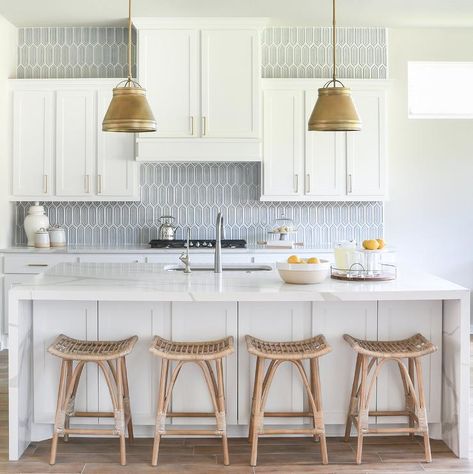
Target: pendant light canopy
(129,110)
(334,110)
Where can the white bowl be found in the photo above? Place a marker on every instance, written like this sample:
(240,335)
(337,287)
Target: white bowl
(303,273)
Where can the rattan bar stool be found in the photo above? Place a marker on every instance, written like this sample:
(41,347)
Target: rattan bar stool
(371,353)
(294,352)
(110,357)
(200,353)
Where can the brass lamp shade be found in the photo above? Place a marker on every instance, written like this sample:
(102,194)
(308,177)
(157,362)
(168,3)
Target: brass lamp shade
(334,111)
(129,111)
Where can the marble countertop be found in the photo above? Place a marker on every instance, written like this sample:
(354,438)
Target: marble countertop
(145,249)
(152,282)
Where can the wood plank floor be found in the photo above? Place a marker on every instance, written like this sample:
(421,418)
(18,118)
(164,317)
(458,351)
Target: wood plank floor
(382,455)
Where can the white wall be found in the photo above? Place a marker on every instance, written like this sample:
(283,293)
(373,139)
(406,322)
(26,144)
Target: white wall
(429,216)
(8,42)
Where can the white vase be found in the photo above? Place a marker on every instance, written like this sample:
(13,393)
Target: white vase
(35,220)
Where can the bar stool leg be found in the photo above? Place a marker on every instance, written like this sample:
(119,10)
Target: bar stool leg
(126,393)
(159,411)
(256,416)
(412,377)
(60,406)
(421,413)
(121,414)
(362,408)
(68,381)
(221,409)
(353,399)
(317,394)
(253,401)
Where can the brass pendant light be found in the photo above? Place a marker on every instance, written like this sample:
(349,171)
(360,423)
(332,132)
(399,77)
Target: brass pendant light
(129,110)
(334,110)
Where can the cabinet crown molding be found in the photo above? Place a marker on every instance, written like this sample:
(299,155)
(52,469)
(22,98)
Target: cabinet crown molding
(142,23)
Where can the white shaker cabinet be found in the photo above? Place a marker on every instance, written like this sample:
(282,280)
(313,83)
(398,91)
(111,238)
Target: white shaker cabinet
(398,320)
(230,83)
(75,141)
(169,70)
(330,166)
(283,143)
(120,320)
(79,321)
(366,148)
(281,321)
(203,80)
(199,321)
(333,320)
(60,152)
(33,142)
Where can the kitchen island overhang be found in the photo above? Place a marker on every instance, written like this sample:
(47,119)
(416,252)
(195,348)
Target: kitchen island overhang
(132,284)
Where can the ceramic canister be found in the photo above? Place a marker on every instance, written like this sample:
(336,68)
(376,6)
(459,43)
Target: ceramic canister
(41,239)
(35,220)
(57,236)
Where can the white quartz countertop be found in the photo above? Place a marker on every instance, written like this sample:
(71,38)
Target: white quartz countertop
(151,282)
(146,249)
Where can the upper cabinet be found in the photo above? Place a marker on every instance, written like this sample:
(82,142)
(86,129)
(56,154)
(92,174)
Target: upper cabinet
(202,78)
(59,149)
(299,165)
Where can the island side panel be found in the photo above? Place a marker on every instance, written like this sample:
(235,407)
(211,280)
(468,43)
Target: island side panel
(20,376)
(456,375)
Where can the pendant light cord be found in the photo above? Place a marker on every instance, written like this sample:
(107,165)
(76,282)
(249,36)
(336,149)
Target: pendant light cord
(129,39)
(334,38)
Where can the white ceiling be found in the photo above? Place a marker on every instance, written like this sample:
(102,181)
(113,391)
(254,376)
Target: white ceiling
(391,13)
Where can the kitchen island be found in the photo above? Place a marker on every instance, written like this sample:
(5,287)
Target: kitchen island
(113,300)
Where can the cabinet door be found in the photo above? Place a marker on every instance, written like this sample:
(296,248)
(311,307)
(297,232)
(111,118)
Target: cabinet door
(366,154)
(398,320)
(325,163)
(169,69)
(33,149)
(199,321)
(333,320)
(283,138)
(281,321)
(51,318)
(75,142)
(230,83)
(126,319)
(116,167)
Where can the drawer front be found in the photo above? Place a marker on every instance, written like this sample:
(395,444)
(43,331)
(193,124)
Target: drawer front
(114,258)
(34,263)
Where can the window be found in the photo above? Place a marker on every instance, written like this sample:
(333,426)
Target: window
(440,90)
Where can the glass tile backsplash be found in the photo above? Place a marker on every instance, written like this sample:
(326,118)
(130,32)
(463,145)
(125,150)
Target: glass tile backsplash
(193,193)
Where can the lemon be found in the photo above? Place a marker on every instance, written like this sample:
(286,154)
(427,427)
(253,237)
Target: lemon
(293,259)
(381,243)
(371,244)
(313,260)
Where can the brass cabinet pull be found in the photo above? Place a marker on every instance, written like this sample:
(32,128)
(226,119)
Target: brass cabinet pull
(307,183)
(204,126)
(192,125)
(296,183)
(350,184)
(38,265)
(99,184)
(87,183)
(45,183)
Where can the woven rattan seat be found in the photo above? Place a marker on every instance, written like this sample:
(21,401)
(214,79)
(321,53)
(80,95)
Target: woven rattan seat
(75,349)
(415,346)
(205,350)
(294,350)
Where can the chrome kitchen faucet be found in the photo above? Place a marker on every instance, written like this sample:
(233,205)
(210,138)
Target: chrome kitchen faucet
(218,243)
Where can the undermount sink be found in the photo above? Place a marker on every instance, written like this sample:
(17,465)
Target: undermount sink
(225,268)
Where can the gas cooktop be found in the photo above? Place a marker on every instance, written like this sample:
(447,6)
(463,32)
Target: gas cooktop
(197,243)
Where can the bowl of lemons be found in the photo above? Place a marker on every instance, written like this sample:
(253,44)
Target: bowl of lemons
(303,271)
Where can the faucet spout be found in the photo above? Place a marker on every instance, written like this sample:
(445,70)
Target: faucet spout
(218,243)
